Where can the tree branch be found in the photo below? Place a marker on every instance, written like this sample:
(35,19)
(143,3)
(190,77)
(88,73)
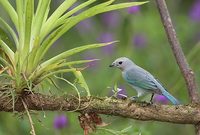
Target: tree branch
(182,114)
(188,74)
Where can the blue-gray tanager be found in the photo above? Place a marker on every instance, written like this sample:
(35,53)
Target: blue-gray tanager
(141,80)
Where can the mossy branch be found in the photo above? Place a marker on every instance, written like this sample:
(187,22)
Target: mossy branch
(182,114)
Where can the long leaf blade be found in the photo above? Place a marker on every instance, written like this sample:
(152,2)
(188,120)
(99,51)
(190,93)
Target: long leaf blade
(8,51)
(11,12)
(21,22)
(28,23)
(62,19)
(10,30)
(75,62)
(122,5)
(72,52)
(70,22)
(63,64)
(81,81)
(43,5)
(55,16)
(52,73)
(62,29)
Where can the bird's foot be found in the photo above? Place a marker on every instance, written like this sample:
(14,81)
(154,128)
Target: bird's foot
(151,100)
(150,103)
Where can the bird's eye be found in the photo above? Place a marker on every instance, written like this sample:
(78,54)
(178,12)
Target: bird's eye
(120,62)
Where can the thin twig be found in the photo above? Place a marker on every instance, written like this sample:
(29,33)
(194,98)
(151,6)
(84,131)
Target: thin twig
(187,73)
(29,117)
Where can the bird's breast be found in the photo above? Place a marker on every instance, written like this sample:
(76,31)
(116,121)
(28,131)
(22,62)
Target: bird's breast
(124,75)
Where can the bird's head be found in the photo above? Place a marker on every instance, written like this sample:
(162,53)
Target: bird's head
(122,63)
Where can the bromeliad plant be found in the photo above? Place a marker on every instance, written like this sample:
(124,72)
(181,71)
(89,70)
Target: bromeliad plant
(34,31)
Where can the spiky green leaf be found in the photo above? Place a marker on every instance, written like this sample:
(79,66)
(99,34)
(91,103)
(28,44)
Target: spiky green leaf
(7,27)
(81,81)
(63,64)
(70,52)
(8,51)
(28,23)
(65,27)
(121,5)
(63,18)
(11,12)
(39,17)
(40,78)
(55,16)
(21,23)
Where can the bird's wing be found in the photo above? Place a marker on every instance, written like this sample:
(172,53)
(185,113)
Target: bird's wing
(140,78)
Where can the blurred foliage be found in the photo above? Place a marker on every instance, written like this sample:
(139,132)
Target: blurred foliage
(151,51)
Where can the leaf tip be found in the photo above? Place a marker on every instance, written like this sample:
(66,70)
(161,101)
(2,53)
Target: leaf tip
(94,60)
(112,42)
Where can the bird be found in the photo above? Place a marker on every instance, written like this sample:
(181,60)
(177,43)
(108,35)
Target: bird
(141,80)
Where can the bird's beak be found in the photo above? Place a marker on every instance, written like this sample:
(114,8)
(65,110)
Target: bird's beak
(112,65)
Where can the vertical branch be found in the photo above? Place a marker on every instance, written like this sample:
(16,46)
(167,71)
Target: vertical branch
(186,71)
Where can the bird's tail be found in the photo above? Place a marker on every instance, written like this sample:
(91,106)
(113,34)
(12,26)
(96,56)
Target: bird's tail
(170,97)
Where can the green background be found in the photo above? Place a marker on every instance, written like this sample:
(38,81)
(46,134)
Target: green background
(155,56)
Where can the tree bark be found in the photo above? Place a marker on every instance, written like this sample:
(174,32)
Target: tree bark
(181,114)
(186,71)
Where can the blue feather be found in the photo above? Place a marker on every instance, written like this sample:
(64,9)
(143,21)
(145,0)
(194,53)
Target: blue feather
(170,97)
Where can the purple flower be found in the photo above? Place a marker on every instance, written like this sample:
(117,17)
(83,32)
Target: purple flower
(120,92)
(111,19)
(195,11)
(160,99)
(60,122)
(107,37)
(139,40)
(133,9)
(85,26)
